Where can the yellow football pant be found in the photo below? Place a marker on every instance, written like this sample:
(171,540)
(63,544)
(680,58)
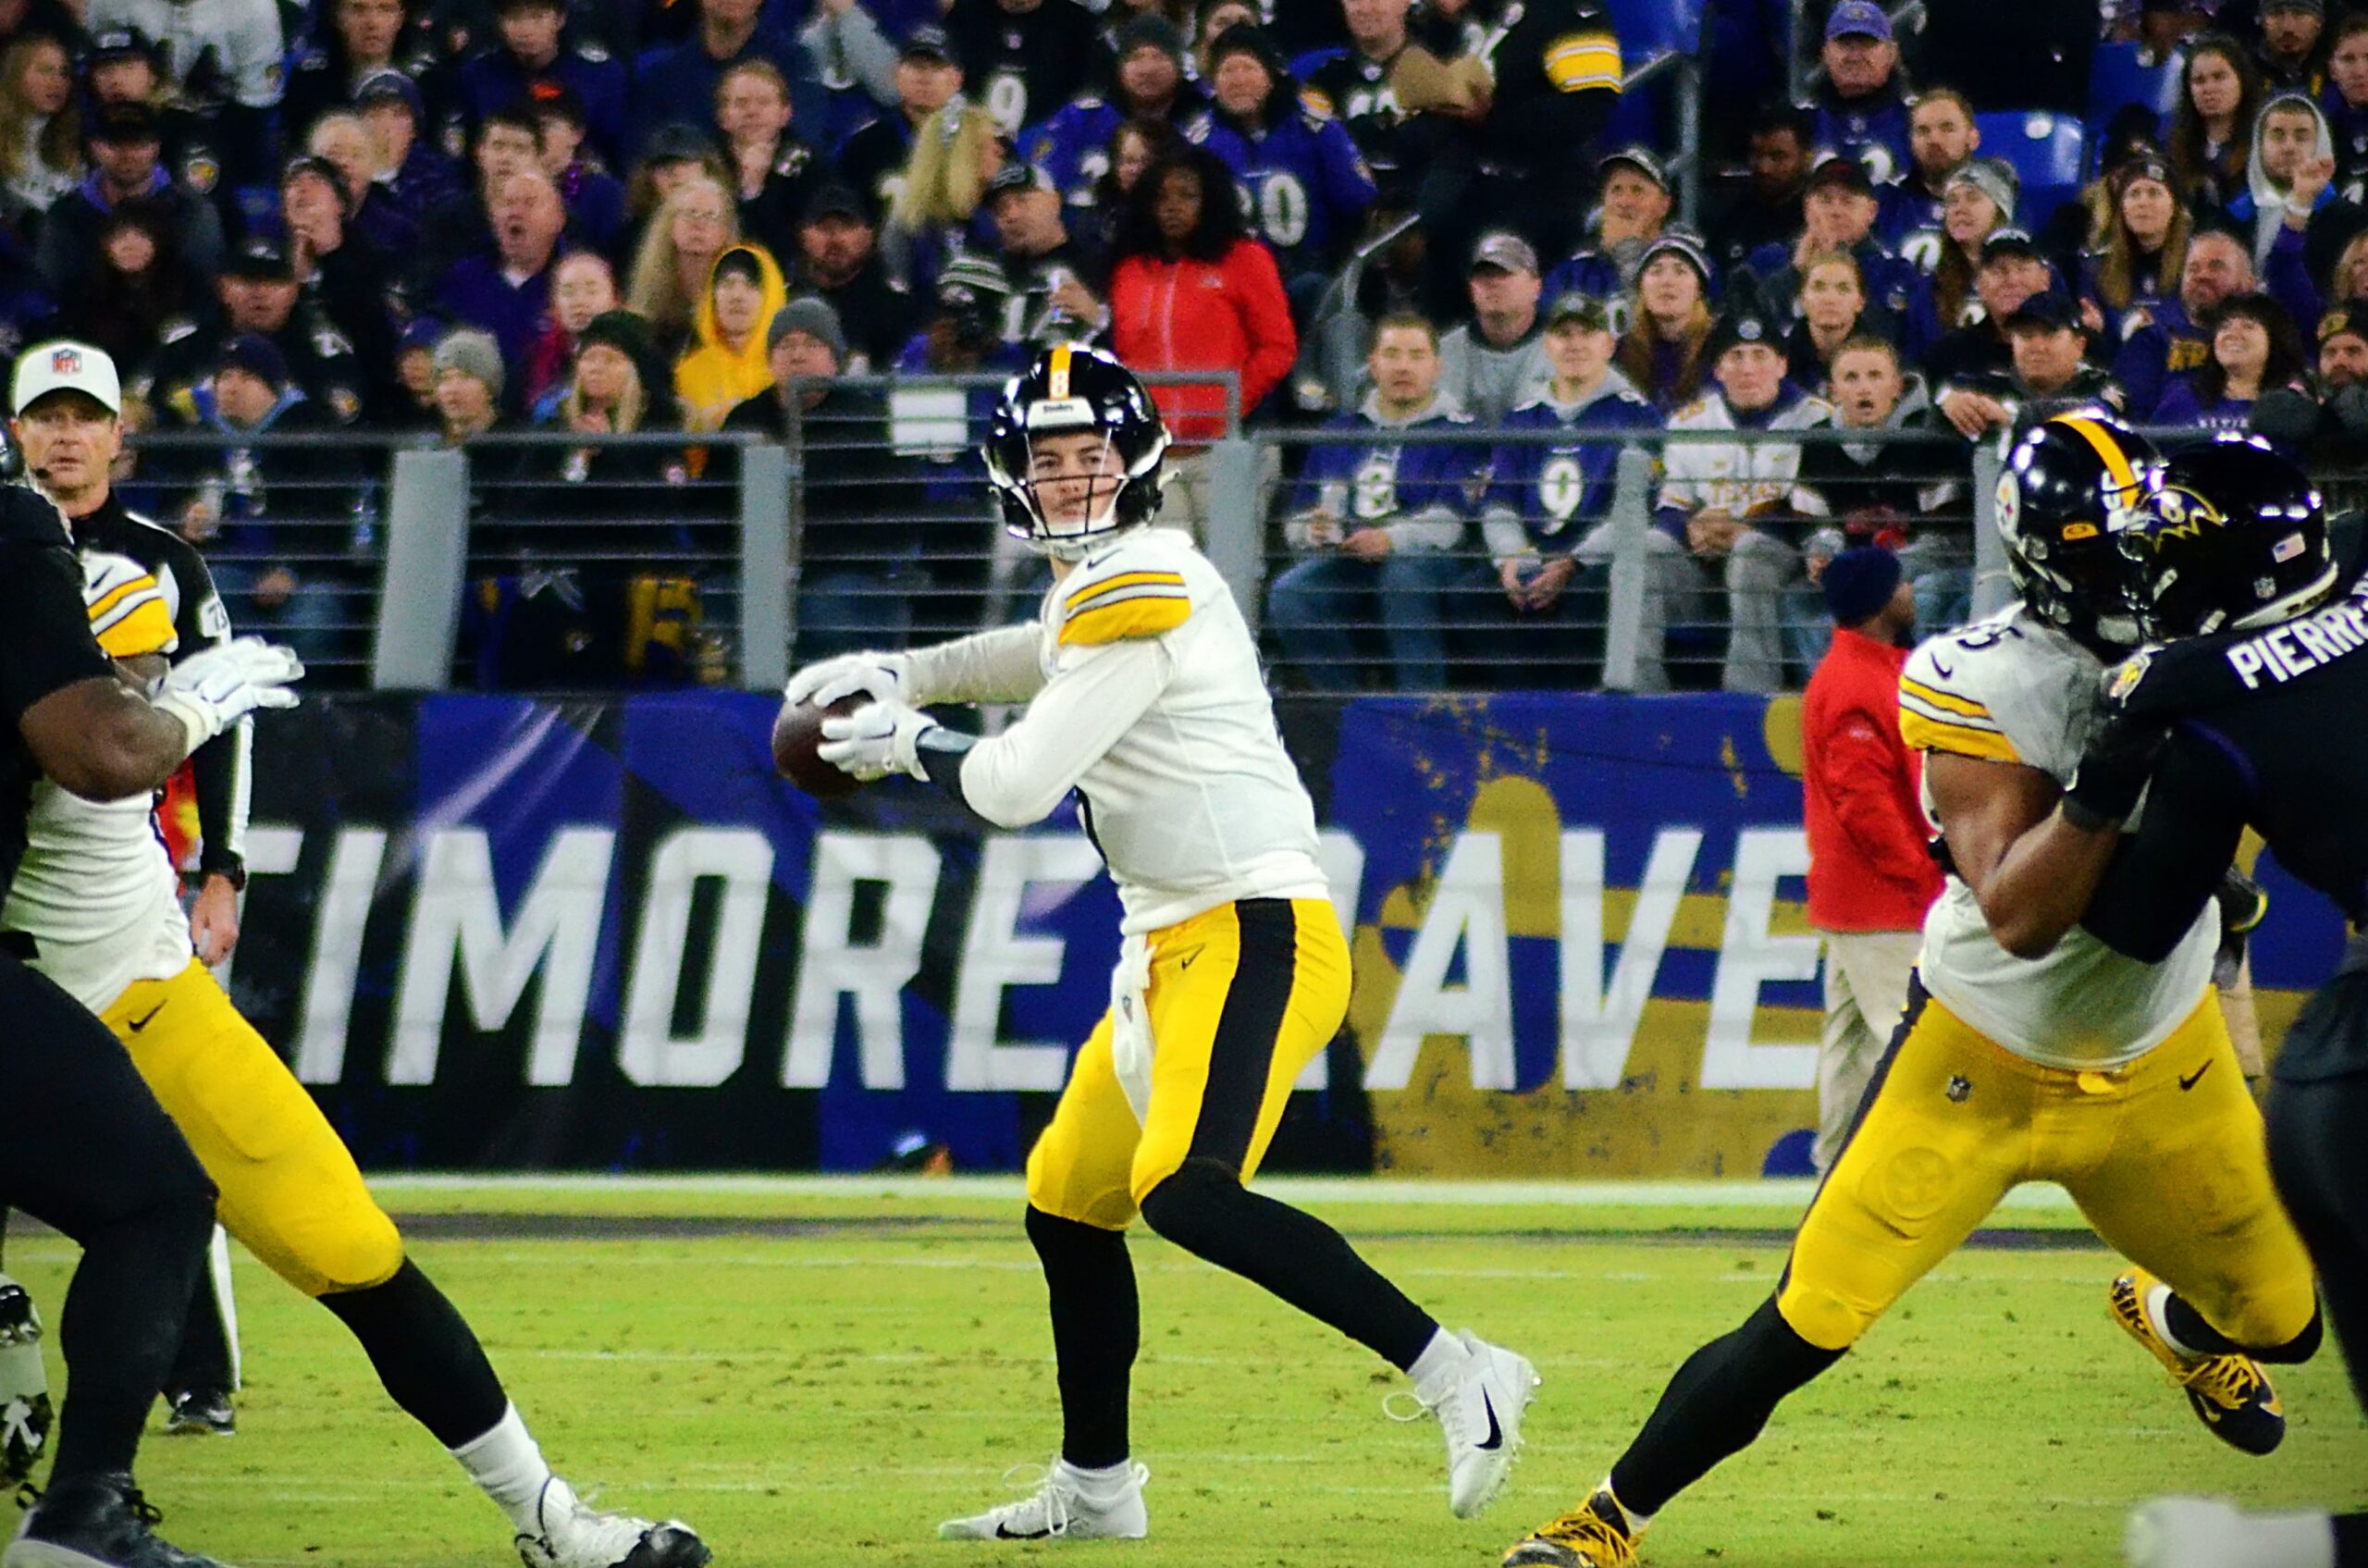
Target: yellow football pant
(2167,1157)
(1241,998)
(290,1190)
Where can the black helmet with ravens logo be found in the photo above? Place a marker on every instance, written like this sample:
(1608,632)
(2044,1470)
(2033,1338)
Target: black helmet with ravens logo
(2230,536)
(2072,483)
(1067,390)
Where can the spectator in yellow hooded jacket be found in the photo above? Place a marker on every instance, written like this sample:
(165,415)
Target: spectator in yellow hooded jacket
(728,363)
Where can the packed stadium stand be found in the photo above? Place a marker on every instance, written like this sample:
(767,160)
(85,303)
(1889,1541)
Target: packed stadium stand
(537,344)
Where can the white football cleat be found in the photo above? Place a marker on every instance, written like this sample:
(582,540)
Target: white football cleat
(2187,1532)
(1479,1404)
(1059,1507)
(573,1535)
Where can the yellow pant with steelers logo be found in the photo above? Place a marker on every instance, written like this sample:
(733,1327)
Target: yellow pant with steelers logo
(289,1188)
(1241,997)
(2166,1157)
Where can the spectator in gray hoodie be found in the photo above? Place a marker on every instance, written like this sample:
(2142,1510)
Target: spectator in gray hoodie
(1496,361)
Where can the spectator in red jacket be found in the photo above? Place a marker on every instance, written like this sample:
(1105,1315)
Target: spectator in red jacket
(1192,291)
(1870,876)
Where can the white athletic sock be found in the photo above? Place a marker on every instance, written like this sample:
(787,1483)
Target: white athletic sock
(2292,1540)
(1443,1354)
(2158,1302)
(507,1466)
(1636,1522)
(1103,1485)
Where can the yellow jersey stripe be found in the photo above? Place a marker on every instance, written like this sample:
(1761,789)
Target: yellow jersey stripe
(1092,592)
(2108,450)
(1911,704)
(115,595)
(1930,735)
(144,628)
(1939,699)
(1583,59)
(1144,616)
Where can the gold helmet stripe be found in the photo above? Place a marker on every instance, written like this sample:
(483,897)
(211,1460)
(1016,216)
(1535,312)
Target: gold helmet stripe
(1059,375)
(2116,461)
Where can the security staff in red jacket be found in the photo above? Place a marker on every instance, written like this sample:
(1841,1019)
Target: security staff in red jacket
(1871,877)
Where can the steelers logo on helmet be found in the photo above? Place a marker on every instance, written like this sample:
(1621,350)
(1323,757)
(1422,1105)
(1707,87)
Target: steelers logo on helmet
(2076,481)
(1064,495)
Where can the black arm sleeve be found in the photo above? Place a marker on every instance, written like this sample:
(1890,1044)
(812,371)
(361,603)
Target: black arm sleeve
(2163,874)
(942,751)
(45,641)
(220,769)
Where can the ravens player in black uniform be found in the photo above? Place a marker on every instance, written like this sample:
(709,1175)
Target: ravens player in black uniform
(88,1151)
(2246,709)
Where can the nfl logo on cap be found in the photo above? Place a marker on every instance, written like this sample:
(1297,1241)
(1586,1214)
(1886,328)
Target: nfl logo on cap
(1750,331)
(64,367)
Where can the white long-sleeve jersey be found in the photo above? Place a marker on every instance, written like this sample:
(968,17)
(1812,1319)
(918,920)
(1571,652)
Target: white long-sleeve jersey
(1144,696)
(2011,688)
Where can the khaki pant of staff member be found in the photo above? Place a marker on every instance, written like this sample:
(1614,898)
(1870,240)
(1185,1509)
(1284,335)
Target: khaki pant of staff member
(1865,991)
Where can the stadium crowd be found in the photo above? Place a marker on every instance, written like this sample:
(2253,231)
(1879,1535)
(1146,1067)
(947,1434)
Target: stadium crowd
(445,219)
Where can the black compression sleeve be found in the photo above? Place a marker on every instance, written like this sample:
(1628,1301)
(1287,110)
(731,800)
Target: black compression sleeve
(49,644)
(942,751)
(219,767)
(2163,874)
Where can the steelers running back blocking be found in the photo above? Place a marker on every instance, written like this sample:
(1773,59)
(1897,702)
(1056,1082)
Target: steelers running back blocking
(97,896)
(1144,696)
(2022,1057)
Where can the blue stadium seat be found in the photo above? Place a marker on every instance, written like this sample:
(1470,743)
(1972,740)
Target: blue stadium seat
(2046,152)
(1647,30)
(2119,76)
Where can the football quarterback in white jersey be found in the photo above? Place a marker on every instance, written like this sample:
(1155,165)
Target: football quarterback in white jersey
(1145,699)
(2023,1055)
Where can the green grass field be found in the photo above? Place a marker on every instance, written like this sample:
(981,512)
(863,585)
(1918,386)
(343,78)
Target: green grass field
(814,1374)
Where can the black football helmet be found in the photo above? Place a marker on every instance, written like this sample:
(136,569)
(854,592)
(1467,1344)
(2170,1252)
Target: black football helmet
(2072,483)
(1065,389)
(2230,536)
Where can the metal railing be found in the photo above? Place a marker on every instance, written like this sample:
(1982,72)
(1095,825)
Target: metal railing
(872,525)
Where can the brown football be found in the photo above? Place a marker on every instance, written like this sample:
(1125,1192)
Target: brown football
(797,731)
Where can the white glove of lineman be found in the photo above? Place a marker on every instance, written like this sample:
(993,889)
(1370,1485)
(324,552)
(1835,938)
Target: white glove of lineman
(883,677)
(212,690)
(876,740)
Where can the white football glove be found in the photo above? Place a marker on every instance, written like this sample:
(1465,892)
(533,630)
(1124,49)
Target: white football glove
(212,690)
(883,677)
(876,740)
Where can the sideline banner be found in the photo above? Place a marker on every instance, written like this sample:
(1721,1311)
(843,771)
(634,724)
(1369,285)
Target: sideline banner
(510,934)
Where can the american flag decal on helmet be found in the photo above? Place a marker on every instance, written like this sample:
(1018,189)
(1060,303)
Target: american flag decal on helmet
(65,362)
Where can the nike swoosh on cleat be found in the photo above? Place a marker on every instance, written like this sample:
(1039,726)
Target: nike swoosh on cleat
(1005,1533)
(1496,1433)
(136,1025)
(2190,1080)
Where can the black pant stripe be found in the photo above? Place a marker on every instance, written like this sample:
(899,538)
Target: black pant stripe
(1244,1052)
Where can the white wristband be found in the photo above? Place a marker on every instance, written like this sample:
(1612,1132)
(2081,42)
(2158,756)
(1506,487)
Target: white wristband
(193,717)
